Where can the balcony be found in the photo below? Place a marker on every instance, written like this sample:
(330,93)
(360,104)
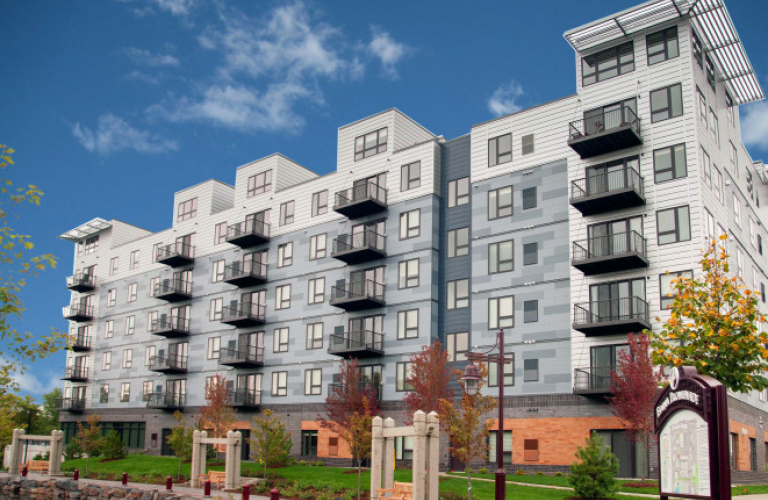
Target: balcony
(358,295)
(609,317)
(245,274)
(171,328)
(362,200)
(244,399)
(73,405)
(364,388)
(242,356)
(176,254)
(357,344)
(248,233)
(170,401)
(243,315)
(81,282)
(80,343)
(173,290)
(78,312)
(75,374)
(610,253)
(605,133)
(593,381)
(357,248)
(608,191)
(168,364)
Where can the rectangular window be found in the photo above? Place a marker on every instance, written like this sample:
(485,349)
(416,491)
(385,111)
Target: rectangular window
(410,224)
(706,167)
(410,176)
(714,126)
(734,160)
(187,210)
(279,383)
(155,249)
(113,263)
(134,264)
(458,242)
(669,163)
(662,45)
(457,292)
(130,325)
(286,213)
(752,454)
(403,375)
(220,233)
(285,254)
(109,329)
(607,64)
(501,312)
(316,291)
(457,344)
(313,379)
(111,297)
(315,336)
(458,192)
(718,182)
(280,341)
(146,390)
(752,231)
(132,292)
(702,100)
(408,324)
(149,353)
(259,183)
(530,253)
(740,263)
(698,51)
(667,290)
(317,246)
(499,150)
(501,257)
(529,198)
(666,103)
(736,209)
(530,370)
(500,203)
(370,144)
(283,297)
(526,144)
(216,309)
(106,361)
(734,449)
(127,358)
(530,311)
(104,393)
(409,274)
(89,246)
(319,203)
(673,225)
(217,271)
(710,70)
(214,347)
(493,375)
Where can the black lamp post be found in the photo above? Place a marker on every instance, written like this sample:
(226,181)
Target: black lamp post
(471,387)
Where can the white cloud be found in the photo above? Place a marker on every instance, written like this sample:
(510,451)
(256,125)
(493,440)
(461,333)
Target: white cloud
(504,99)
(114,134)
(143,77)
(30,383)
(754,125)
(145,58)
(176,7)
(387,50)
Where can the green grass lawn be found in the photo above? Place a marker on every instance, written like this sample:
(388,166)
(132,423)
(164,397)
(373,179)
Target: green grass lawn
(556,481)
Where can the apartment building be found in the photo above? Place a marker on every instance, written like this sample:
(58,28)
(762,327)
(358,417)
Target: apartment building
(562,224)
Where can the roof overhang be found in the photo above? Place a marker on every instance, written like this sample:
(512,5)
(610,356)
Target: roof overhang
(713,24)
(88,229)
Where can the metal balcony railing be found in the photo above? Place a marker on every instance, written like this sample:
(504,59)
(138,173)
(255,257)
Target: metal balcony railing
(170,324)
(356,340)
(612,310)
(175,254)
(605,183)
(81,281)
(70,404)
(172,286)
(358,290)
(75,373)
(359,247)
(243,313)
(364,199)
(598,123)
(245,397)
(80,342)
(247,354)
(608,246)
(166,400)
(248,233)
(250,269)
(595,379)
(168,363)
(78,312)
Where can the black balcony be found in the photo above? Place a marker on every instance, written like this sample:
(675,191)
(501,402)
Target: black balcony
(73,405)
(244,315)
(170,327)
(169,401)
(80,343)
(248,233)
(609,317)
(608,191)
(78,312)
(173,290)
(605,133)
(610,253)
(358,295)
(362,200)
(242,356)
(75,374)
(176,254)
(245,274)
(593,381)
(357,344)
(168,364)
(81,282)
(357,248)
(244,399)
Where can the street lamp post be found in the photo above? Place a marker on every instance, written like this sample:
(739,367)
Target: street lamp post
(471,387)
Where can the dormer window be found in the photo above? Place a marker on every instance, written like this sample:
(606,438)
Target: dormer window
(371,144)
(259,183)
(187,210)
(608,64)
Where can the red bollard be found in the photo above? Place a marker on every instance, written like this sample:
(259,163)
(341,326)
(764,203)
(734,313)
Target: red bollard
(24,471)
(246,492)
(207,489)
(76,474)
(125,478)
(169,483)
(274,494)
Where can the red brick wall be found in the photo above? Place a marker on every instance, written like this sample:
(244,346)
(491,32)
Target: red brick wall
(743,440)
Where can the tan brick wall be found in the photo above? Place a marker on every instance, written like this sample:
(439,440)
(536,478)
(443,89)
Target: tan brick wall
(743,443)
(323,436)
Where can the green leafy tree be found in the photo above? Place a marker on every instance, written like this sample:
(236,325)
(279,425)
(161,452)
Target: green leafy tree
(113,448)
(16,265)
(48,418)
(359,436)
(593,472)
(712,326)
(270,442)
(89,438)
(11,409)
(218,415)
(180,440)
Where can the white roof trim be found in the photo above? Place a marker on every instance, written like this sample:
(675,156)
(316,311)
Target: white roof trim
(88,229)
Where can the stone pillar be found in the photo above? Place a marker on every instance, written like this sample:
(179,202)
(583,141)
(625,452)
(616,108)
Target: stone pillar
(433,456)
(389,455)
(238,456)
(16,451)
(376,454)
(54,460)
(232,460)
(195,472)
(419,453)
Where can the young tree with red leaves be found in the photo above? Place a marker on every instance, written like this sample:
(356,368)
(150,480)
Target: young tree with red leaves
(634,385)
(218,415)
(430,380)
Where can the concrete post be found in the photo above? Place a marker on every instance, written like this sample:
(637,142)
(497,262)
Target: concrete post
(433,456)
(57,449)
(16,451)
(237,455)
(376,453)
(232,460)
(419,453)
(389,456)
(201,453)
(195,472)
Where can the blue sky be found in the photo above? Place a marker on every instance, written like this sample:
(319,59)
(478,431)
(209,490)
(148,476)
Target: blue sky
(114,105)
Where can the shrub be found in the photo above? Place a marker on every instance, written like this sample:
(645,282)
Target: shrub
(73,450)
(113,448)
(558,474)
(302,462)
(319,463)
(593,472)
(520,472)
(451,495)
(539,473)
(482,470)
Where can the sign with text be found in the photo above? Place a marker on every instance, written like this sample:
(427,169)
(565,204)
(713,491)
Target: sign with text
(691,419)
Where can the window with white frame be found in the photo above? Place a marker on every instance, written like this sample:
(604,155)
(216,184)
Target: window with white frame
(317,246)
(280,343)
(734,160)
(736,209)
(104,393)
(153,283)
(109,328)
(151,320)
(279,383)
(319,203)
(285,254)
(410,176)
(501,312)
(315,336)
(709,227)
(457,292)
(457,345)
(111,297)
(132,292)
(127,358)
(217,271)
(125,392)
(287,212)
(134,264)
(714,126)
(408,324)
(316,291)
(146,389)
(187,210)
(113,265)
(740,263)
(458,192)
(718,182)
(409,273)
(220,233)
(410,224)
(259,183)
(214,348)
(500,150)
(130,325)
(216,309)
(313,379)
(149,353)
(106,361)
(501,257)
(752,231)
(283,297)
(500,203)
(458,242)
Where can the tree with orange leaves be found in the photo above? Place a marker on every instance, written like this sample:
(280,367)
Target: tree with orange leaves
(713,326)
(217,415)
(430,380)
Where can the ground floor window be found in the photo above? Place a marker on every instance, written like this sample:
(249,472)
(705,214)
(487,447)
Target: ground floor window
(404,448)
(131,433)
(507,449)
(309,443)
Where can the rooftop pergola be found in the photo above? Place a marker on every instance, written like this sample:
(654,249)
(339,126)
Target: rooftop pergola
(85,230)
